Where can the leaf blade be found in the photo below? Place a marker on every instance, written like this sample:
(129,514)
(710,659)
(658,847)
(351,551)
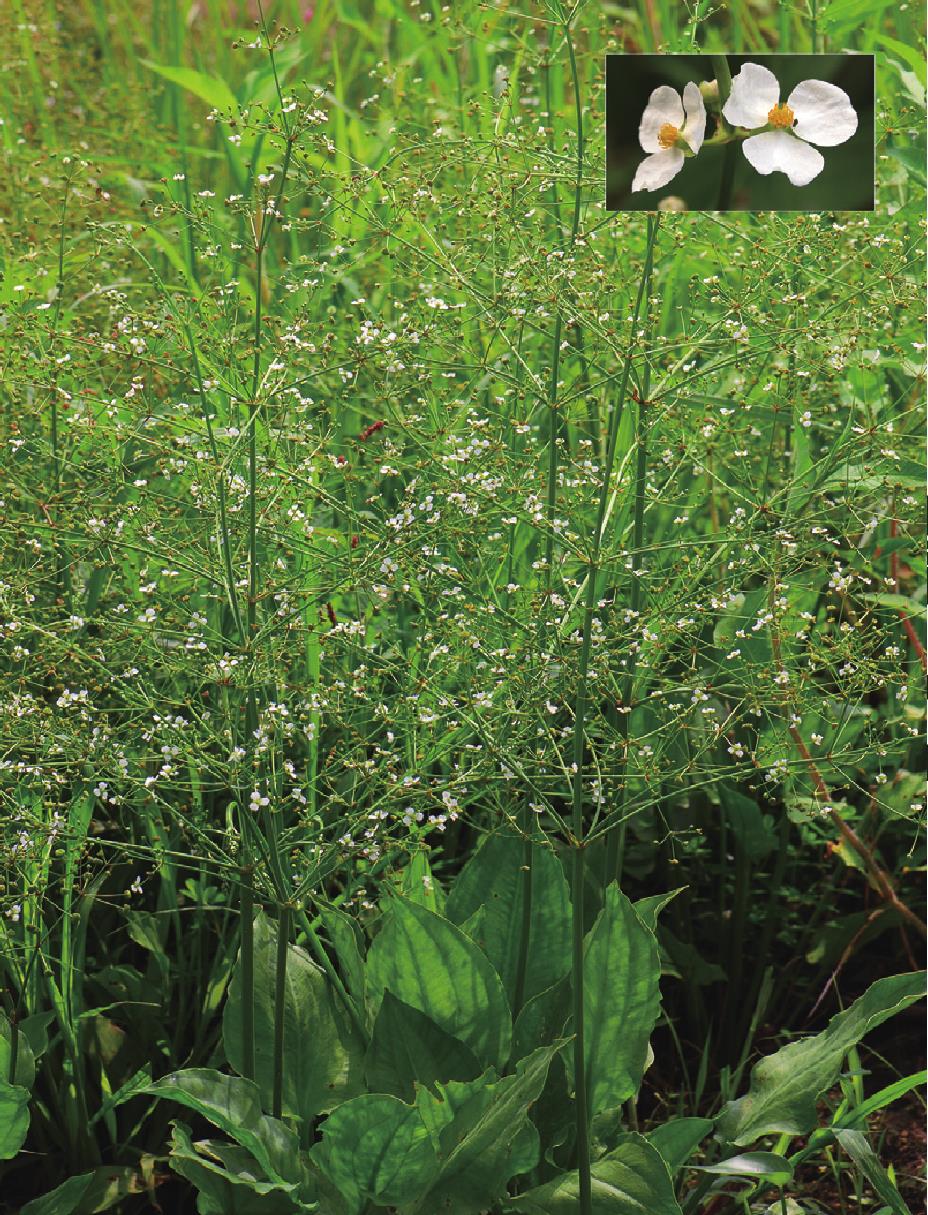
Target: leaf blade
(785,1085)
(428,963)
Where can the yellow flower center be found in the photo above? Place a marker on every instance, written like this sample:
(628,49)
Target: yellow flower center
(667,135)
(781,116)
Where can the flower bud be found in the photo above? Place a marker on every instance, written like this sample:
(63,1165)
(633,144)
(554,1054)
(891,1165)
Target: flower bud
(710,95)
(672,202)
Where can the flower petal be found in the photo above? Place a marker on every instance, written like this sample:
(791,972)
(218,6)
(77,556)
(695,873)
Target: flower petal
(655,171)
(754,92)
(781,152)
(694,129)
(824,114)
(664,105)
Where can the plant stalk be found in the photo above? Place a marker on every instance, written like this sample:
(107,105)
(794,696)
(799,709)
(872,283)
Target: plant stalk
(615,843)
(280,988)
(581,1098)
(246,910)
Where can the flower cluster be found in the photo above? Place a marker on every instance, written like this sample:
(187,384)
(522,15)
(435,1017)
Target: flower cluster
(777,136)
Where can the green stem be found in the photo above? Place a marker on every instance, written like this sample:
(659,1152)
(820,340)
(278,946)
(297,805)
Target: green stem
(581,1099)
(331,973)
(556,353)
(280,987)
(577,875)
(224,537)
(525,930)
(727,180)
(814,29)
(723,78)
(14,1046)
(772,917)
(615,843)
(62,564)
(246,909)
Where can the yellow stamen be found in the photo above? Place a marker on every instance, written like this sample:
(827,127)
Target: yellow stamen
(781,116)
(667,135)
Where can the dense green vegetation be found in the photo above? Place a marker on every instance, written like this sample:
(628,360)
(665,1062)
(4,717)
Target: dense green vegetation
(462,655)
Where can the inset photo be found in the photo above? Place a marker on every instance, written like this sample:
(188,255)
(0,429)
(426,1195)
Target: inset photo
(739,132)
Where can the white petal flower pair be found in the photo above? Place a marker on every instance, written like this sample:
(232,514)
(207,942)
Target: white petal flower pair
(667,123)
(815,112)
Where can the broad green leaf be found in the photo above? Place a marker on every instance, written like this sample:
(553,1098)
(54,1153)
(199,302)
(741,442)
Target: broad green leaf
(420,886)
(495,879)
(89,1193)
(633,1179)
(25,1059)
(208,88)
(14,1118)
(856,1145)
(408,1048)
(621,1000)
(225,1191)
(323,1052)
(63,1199)
(677,1139)
(650,907)
(751,1164)
(542,1019)
(459,1101)
(427,962)
(784,1086)
(345,937)
(375,1147)
(234,1105)
(488,1139)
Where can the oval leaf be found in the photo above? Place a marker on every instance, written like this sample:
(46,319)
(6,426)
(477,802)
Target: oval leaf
(233,1105)
(751,1164)
(630,1180)
(621,1000)
(494,878)
(408,1048)
(323,1052)
(428,963)
(785,1085)
(378,1148)
(14,1118)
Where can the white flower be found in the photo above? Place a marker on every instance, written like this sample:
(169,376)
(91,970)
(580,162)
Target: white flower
(815,111)
(666,123)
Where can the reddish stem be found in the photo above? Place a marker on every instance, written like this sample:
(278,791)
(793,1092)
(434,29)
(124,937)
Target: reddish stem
(906,622)
(878,876)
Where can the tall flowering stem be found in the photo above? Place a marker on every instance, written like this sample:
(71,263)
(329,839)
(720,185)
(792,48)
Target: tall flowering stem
(250,831)
(615,843)
(527,824)
(578,857)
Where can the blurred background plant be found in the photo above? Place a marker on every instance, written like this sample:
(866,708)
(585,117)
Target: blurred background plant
(315,337)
